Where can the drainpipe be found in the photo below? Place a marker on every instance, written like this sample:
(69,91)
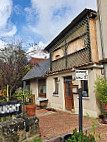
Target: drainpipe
(101,36)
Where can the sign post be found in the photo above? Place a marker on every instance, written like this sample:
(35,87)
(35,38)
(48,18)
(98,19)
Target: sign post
(81,75)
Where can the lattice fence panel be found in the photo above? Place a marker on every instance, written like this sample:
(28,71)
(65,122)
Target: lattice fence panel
(58,64)
(79,58)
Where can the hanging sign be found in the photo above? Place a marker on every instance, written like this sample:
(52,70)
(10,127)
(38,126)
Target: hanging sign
(81,74)
(10,108)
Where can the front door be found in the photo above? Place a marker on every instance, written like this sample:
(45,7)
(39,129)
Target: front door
(69,103)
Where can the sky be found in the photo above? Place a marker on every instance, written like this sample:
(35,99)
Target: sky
(37,21)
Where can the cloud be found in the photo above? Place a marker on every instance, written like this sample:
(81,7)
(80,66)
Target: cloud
(54,16)
(18,9)
(7,28)
(30,14)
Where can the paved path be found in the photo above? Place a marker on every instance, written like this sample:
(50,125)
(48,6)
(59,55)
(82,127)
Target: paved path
(53,124)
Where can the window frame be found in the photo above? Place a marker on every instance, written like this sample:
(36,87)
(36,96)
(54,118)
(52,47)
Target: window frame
(85,92)
(56,86)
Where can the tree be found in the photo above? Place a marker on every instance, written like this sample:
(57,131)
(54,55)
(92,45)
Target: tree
(13,66)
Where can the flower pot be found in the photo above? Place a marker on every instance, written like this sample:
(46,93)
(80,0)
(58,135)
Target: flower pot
(105,119)
(30,110)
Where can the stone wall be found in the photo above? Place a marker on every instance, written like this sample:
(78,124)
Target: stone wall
(20,129)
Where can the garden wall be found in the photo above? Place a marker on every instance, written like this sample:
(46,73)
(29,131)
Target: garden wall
(20,129)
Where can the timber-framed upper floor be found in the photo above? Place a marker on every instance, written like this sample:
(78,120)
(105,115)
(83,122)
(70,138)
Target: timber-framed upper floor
(76,44)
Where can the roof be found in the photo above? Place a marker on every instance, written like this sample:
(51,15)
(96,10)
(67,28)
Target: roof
(71,25)
(38,71)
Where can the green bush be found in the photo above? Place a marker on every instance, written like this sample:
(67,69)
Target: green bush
(20,95)
(80,137)
(101,89)
(37,140)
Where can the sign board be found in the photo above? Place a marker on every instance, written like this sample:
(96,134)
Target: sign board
(81,74)
(10,108)
(75,89)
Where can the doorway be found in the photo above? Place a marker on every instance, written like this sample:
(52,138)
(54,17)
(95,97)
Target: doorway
(69,102)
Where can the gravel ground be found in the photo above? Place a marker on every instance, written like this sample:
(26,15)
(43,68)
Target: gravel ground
(53,124)
(102,130)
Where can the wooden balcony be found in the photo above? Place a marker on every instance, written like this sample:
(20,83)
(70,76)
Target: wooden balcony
(75,59)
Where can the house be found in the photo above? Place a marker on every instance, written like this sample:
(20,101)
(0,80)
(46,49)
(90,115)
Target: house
(35,80)
(75,48)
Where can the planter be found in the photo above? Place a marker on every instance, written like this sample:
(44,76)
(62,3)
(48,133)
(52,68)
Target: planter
(105,119)
(30,110)
(43,104)
(106,107)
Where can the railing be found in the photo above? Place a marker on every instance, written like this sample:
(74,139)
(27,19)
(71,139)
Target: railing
(78,58)
(75,59)
(59,64)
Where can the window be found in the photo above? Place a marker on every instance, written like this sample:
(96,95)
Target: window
(84,85)
(57,56)
(42,89)
(56,85)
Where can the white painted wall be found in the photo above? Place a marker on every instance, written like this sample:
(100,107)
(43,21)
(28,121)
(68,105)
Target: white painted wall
(34,87)
(90,105)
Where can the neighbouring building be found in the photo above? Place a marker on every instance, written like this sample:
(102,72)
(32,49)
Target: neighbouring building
(75,48)
(35,61)
(101,30)
(35,80)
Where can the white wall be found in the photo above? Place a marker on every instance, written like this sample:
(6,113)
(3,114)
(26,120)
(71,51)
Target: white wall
(34,87)
(90,105)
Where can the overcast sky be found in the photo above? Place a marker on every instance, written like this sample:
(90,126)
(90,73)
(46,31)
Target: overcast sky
(38,21)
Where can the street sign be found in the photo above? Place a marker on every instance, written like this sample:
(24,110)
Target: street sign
(10,108)
(81,74)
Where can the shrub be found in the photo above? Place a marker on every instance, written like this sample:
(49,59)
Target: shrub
(101,89)
(37,140)
(81,137)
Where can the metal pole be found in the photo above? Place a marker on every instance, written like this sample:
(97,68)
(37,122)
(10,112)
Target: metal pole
(23,105)
(24,86)
(80,109)
(7,92)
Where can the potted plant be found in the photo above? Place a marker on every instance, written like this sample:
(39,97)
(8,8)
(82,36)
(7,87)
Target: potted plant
(101,91)
(103,116)
(30,105)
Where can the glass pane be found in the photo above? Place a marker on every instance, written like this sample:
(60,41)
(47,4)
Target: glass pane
(85,88)
(42,89)
(68,91)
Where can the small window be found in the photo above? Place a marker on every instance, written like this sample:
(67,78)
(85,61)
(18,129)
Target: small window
(84,85)
(57,56)
(56,85)
(42,89)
